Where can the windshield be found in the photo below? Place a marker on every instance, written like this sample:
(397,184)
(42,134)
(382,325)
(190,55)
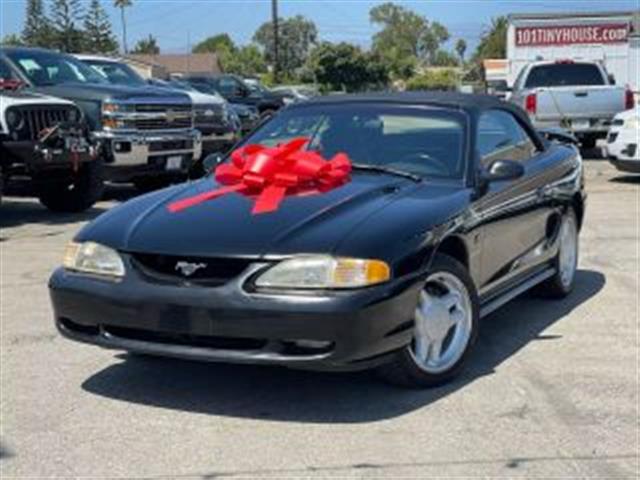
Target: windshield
(116,73)
(44,68)
(564,75)
(424,141)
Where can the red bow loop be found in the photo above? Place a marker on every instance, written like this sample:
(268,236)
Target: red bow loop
(272,173)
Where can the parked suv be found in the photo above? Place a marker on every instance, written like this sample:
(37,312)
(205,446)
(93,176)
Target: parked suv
(213,118)
(578,96)
(235,90)
(146,134)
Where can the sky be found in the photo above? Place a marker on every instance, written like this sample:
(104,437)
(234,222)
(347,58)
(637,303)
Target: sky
(180,23)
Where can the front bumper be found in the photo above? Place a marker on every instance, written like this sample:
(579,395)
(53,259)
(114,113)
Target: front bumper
(144,149)
(360,329)
(29,157)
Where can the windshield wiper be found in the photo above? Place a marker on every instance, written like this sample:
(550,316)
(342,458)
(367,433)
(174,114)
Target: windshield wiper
(382,169)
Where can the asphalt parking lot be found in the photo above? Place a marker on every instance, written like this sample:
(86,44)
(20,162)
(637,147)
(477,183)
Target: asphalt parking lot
(552,390)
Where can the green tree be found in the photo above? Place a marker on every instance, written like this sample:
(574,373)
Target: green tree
(97,30)
(66,15)
(461,48)
(246,61)
(296,35)
(12,40)
(405,38)
(148,46)
(123,5)
(37,29)
(344,66)
(493,44)
(434,79)
(442,58)
(215,44)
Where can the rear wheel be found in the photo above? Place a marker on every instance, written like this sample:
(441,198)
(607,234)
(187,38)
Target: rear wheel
(566,262)
(77,194)
(445,328)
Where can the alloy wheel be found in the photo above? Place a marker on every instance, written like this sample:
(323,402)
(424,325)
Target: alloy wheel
(443,323)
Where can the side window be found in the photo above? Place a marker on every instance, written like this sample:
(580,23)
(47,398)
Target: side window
(500,137)
(227,86)
(5,72)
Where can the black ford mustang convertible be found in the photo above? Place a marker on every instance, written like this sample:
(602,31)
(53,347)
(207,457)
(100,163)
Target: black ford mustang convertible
(453,206)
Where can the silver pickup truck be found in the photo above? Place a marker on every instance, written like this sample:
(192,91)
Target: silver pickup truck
(577,96)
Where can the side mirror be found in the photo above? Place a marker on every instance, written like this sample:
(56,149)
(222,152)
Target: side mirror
(612,79)
(502,170)
(212,160)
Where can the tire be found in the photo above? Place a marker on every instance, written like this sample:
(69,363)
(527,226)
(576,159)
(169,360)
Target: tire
(588,143)
(561,283)
(78,194)
(406,369)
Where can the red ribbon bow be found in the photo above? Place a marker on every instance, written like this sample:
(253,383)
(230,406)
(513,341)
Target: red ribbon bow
(271,174)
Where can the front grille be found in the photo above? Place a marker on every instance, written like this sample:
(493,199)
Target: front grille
(36,119)
(205,341)
(207,271)
(169,116)
(169,145)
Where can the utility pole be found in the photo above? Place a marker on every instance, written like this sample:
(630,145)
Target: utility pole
(276,53)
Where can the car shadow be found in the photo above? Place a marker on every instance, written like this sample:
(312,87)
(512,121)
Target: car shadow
(21,208)
(629,179)
(279,394)
(19,211)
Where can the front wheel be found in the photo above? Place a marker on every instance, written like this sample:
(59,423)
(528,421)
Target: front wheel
(445,328)
(76,195)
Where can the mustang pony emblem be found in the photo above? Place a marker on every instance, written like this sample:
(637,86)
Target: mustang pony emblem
(187,268)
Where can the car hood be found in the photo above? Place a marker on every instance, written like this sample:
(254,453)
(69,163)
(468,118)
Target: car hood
(95,91)
(225,226)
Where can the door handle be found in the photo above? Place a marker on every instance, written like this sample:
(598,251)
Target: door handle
(581,94)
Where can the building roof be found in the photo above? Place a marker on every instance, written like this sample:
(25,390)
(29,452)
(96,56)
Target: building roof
(182,63)
(567,15)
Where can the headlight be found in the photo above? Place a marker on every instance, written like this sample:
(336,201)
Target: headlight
(14,120)
(324,272)
(632,123)
(91,257)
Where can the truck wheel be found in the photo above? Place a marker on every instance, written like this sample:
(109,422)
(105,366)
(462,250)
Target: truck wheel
(79,194)
(588,143)
(445,328)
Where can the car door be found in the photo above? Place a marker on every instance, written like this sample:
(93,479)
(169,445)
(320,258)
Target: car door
(514,217)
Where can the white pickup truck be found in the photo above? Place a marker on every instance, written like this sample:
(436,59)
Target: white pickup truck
(574,95)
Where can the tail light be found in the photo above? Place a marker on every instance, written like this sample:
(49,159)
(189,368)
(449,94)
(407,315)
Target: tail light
(629,101)
(531,104)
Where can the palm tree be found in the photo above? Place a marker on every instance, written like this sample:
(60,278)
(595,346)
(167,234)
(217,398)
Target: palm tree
(122,4)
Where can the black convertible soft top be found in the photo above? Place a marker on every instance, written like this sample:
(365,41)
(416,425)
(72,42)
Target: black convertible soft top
(471,103)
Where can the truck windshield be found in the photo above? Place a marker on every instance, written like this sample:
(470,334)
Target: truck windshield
(44,68)
(423,142)
(116,73)
(564,75)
